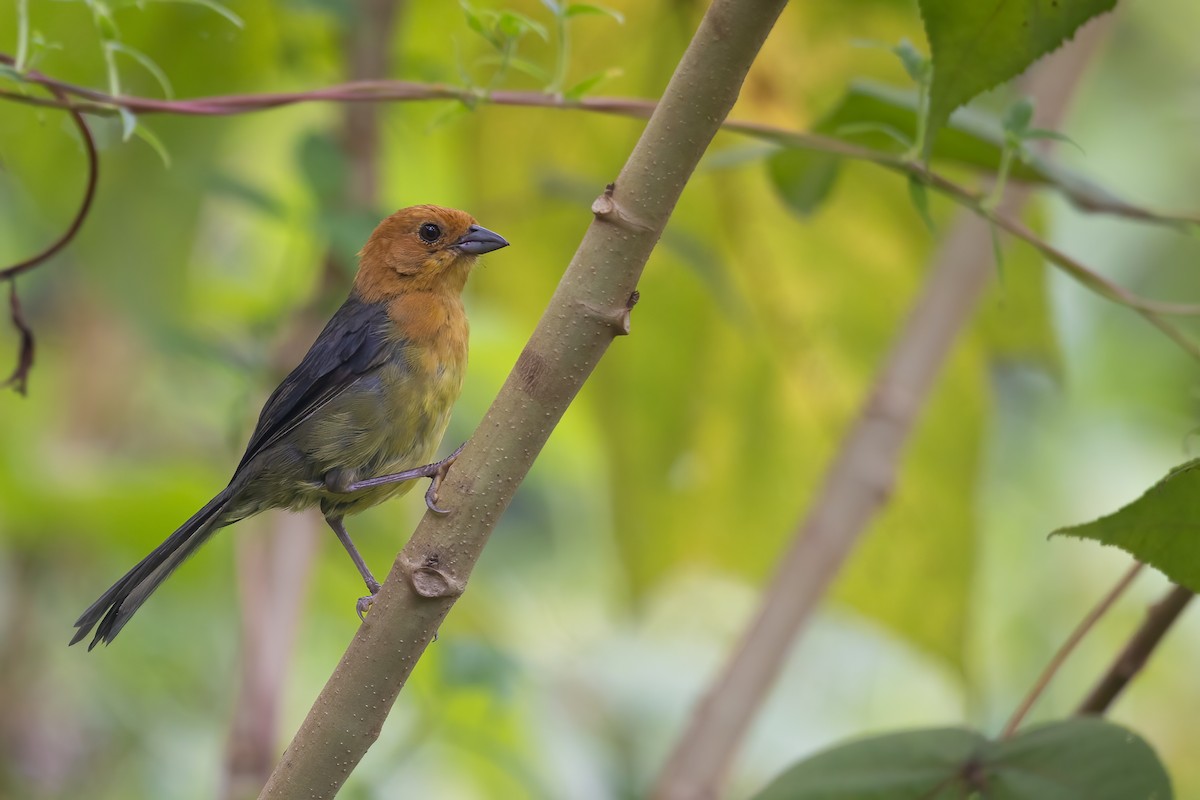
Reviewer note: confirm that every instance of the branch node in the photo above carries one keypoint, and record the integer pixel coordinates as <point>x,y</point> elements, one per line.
<point>427,579</point>
<point>619,320</point>
<point>606,209</point>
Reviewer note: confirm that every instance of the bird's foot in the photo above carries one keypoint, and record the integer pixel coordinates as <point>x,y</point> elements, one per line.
<point>364,603</point>
<point>436,472</point>
<point>440,470</point>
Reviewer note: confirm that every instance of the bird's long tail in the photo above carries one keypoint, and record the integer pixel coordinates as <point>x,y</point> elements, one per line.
<point>114,608</point>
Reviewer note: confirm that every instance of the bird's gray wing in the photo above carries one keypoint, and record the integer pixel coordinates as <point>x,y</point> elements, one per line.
<point>352,344</point>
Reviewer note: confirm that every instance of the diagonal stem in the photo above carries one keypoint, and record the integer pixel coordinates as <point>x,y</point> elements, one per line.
<point>1131,659</point>
<point>1068,647</point>
<point>856,485</point>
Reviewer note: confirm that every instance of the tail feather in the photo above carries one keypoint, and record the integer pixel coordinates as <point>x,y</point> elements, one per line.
<point>114,608</point>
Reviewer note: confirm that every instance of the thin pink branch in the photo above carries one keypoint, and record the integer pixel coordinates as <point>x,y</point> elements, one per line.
<point>375,91</point>
<point>1068,647</point>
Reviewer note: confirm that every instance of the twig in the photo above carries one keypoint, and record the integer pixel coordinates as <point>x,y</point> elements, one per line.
<point>571,337</point>
<point>1152,311</point>
<point>19,379</point>
<point>856,485</point>
<point>1068,647</point>
<point>1084,197</point>
<point>1135,654</point>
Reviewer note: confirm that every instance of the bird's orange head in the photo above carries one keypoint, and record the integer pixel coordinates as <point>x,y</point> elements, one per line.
<point>421,248</point>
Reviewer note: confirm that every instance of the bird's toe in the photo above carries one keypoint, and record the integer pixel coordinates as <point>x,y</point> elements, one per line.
<point>364,605</point>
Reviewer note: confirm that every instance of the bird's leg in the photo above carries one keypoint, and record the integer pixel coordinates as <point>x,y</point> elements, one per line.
<point>364,603</point>
<point>436,472</point>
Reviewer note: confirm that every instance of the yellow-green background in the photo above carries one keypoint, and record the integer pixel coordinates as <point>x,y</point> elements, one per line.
<point>634,553</point>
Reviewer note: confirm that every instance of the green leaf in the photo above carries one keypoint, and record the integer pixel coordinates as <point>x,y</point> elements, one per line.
<point>915,63</point>
<point>1161,528</point>
<point>519,64</point>
<point>1079,758</point>
<point>738,155</point>
<point>980,44</point>
<point>803,178</point>
<point>482,22</point>
<point>1085,757</point>
<point>213,6</point>
<point>1041,133</point>
<point>129,123</point>
<point>102,17</point>
<point>149,137</point>
<point>1018,116</point>
<point>579,9</point>
<point>515,25</point>
<point>580,89</point>
<point>972,137</point>
<point>856,128</point>
<point>448,115</point>
<point>147,64</point>
<point>885,118</point>
<point>919,194</point>
<point>913,764</point>
<point>40,46</point>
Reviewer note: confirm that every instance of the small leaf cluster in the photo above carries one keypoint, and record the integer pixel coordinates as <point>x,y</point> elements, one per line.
<point>504,29</point>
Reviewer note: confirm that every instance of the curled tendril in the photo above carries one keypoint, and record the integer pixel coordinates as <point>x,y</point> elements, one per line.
<point>20,375</point>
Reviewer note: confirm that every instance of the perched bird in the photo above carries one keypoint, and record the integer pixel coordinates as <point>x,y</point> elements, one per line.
<point>360,416</point>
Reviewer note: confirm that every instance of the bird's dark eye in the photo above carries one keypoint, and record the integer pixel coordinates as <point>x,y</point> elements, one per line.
<point>429,232</point>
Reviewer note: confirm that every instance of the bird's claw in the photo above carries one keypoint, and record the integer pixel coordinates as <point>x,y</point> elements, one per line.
<point>435,481</point>
<point>364,603</point>
<point>431,498</point>
<point>363,606</point>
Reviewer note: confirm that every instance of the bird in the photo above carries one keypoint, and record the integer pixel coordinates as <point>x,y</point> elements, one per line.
<point>362,414</point>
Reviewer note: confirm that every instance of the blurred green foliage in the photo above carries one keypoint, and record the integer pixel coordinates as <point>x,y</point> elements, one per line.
<point>632,555</point>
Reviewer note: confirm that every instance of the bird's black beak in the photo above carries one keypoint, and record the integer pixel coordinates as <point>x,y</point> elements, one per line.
<point>478,241</point>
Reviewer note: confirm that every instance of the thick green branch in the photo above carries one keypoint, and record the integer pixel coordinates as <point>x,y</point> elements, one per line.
<point>588,309</point>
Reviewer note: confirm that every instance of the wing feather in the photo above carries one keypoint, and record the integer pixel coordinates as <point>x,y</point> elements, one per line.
<point>352,344</point>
